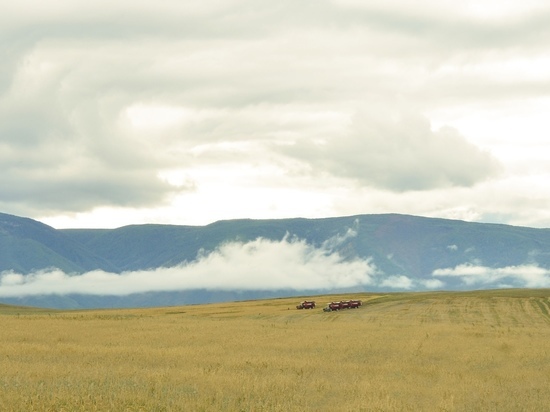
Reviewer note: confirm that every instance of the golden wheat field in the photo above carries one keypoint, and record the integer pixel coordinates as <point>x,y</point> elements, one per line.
<point>475,351</point>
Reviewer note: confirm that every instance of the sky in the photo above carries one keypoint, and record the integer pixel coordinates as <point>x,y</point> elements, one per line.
<point>185,112</point>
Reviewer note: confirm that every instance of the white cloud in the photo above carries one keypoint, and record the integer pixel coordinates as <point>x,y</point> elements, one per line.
<point>406,283</point>
<point>117,105</point>
<point>432,283</point>
<point>397,282</point>
<point>531,276</point>
<point>338,239</point>
<point>257,265</point>
<point>397,150</point>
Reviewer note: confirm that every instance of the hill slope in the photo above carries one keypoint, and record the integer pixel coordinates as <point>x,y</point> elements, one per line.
<point>405,250</point>
<point>27,245</point>
<point>399,244</point>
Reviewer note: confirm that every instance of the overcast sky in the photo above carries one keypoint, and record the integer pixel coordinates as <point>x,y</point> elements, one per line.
<point>186,112</point>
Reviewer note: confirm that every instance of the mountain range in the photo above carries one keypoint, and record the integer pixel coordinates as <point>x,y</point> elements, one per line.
<point>414,252</point>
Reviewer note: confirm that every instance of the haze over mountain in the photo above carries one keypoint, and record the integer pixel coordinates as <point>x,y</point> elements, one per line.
<point>153,265</point>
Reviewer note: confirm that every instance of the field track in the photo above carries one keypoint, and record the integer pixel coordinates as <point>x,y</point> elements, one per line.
<point>437,351</point>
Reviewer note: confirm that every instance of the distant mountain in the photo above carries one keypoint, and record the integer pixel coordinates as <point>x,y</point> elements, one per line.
<point>404,246</point>
<point>27,245</point>
<point>408,245</point>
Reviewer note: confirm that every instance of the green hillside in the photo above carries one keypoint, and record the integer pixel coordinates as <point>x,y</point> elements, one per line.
<point>27,245</point>
<point>401,247</point>
<point>408,245</point>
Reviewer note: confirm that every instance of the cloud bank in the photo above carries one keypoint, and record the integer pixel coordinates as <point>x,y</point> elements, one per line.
<point>268,265</point>
<point>257,265</point>
<point>531,276</point>
<point>153,108</point>
<point>397,150</point>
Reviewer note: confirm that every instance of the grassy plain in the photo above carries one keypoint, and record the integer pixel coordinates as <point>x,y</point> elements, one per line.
<point>475,351</point>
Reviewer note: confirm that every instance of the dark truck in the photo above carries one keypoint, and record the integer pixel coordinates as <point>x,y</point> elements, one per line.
<point>343,304</point>
<point>306,304</point>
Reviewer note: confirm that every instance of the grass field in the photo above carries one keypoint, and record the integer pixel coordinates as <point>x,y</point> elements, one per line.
<point>474,351</point>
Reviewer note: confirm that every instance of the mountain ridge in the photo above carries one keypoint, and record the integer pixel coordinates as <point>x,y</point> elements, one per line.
<point>406,247</point>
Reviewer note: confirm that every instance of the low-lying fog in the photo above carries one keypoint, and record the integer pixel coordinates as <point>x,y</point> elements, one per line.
<point>266,265</point>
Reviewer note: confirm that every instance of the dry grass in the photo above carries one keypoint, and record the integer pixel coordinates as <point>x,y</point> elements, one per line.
<point>413,352</point>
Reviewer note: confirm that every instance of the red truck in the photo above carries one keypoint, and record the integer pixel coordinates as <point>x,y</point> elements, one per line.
<point>343,304</point>
<point>306,304</point>
<point>333,306</point>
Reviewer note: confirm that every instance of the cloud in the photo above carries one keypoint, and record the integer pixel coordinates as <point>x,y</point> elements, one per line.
<point>397,282</point>
<point>338,240</point>
<point>99,100</point>
<point>397,150</point>
<point>257,265</point>
<point>406,283</point>
<point>531,276</point>
<point>62,145</point>
<point>432,283</point>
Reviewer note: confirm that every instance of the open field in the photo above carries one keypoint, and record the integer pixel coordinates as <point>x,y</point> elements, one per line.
<point>440,351</point>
